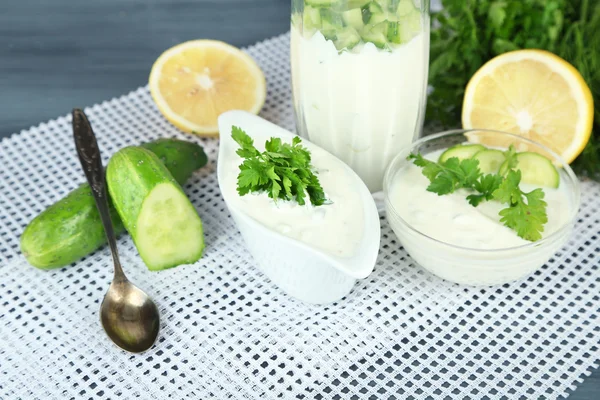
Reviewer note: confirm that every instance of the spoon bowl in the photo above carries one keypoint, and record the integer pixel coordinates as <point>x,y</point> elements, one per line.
<point>129,317</point>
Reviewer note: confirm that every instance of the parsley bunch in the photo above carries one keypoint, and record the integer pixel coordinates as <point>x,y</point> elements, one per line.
<point>526,212</point>
<point>283,170</point>
<point>467,33</point>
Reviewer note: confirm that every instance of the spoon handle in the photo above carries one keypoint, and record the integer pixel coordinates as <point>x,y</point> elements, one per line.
<point>91,162</point>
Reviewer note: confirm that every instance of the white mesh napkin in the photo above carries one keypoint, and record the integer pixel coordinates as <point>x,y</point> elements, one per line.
<point>227,331</point>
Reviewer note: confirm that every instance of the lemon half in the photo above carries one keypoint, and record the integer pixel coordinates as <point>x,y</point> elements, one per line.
<point>531,93</point>
<point>194,82</point>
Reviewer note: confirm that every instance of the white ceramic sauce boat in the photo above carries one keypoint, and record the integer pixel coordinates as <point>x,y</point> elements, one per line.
<point>300,270</point>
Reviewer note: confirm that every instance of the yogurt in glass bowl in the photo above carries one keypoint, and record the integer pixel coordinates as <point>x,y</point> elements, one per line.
<point>470,245</point>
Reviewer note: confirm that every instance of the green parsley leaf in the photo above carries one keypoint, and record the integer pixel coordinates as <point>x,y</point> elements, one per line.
<point>283,170</point>
<point>526,212</point>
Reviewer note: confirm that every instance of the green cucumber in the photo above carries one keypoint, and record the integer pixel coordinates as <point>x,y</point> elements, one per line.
<point>322,3</point>
<point>164,225</point>
<point>535,169</point>
<point>346,5</point>
<point>346,38</point>
<point>71,228</point>
<point>311,18</point>
<point>353,18</point>
<point>490,160</point>
<point>404,7</point>
<point>330,20</point>
<point>376,34</point>
<point>461,151</point>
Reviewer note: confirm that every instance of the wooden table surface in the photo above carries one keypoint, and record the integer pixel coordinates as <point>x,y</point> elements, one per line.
<point>58,54</point>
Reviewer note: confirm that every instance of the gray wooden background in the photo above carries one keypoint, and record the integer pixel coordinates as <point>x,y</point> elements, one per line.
<point>58,54</point>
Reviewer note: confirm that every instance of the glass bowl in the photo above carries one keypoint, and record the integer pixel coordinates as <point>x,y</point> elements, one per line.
<point>469,265</point>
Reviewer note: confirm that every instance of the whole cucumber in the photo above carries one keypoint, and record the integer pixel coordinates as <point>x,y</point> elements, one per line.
<point>71,228</point>
<point>163,223</point>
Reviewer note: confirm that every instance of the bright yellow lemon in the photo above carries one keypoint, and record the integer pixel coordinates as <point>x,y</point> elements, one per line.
<point>535,94</point>
<point>194,82</point>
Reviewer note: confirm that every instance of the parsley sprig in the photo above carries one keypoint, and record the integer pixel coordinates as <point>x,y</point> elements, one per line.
<point>283,170</point>
<point>526,211</point>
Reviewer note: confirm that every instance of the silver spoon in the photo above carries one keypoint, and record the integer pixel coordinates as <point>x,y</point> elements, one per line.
<point>129,317</point>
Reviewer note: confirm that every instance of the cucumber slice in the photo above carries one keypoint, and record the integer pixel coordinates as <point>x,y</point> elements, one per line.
<point>346,38</point>
<point>311,18</point>
<point>376,34</point>
<point>353,18</point>
<point>321,3</point>
<point>164,225</point>
<point>330,20</point>
<point>490,160</point>
<point>535,169</point>
<point>461,151</point>
<point>404,7</point>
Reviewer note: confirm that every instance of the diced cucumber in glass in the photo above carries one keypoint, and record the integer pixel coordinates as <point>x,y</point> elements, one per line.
<point>376,34</point>
<point>389,5</point>
<point>490,160</point>
<point>346,38</point>
<point>353,18</point>
<point>330,20</point>
<point>535,169</point>
<point>321,3</point>
<point>405,7</point>
<point>312,18</point>
<point>352,4</point>
<point>461,151</point>
<point>377,18</point>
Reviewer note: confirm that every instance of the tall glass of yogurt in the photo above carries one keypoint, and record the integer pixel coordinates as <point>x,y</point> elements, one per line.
<point>359,78</point>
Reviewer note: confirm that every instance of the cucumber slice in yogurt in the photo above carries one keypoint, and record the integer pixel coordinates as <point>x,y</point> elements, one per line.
<point>535,169</point>
<point>321,3</point>
<point>461,151</point>
<point>346,38</point>
<point>330,20</point>
<point>311,18</point>
<point>490,160</point>
<point>404,7</point>
<point>353,18</point>
<point>376,34</point>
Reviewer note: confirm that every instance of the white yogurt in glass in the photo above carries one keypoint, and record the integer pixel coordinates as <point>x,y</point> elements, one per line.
<point>362,105</point>
<point>336,228</point>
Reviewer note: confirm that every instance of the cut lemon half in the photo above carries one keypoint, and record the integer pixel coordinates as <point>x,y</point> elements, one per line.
<point>194,82</point>
<point>531,93</point>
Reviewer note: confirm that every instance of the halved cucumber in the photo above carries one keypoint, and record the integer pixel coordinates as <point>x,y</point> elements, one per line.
<point>376,34</point>
<point>535,169</point>
<point>490,160</point>
<point>461,151</point>
<point>346,38</point>
<point>164,225</point>
<point>353,18</point>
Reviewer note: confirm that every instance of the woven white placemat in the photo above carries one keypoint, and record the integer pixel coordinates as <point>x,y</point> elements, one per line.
<point>227,331</point>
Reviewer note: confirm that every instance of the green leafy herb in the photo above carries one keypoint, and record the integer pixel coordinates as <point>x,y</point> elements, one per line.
<point>526,212</point>
<point>283,170</point>
<point>468,33</point>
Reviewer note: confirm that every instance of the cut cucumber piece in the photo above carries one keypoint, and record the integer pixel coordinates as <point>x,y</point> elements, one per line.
<point>405,7</point>
<point>346,38</point>
<point>353,18</point>
<point>490,160</point>
<point>535,169</point>
<point>346,5</point>
<point>330,20</point>
<point>376,34</point>
<point>322,3</point>
<point>461,151</point>
<point>389,5</point>
<point>311,18</point>
<point>164,225</point>
<point>372,13</point>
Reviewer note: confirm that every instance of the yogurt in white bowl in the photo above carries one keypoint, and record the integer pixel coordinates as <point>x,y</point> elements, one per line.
<point>315,254</point>
<point>465,244</point>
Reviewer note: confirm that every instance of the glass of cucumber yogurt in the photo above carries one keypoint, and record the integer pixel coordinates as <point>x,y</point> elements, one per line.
<point>359,78</point>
